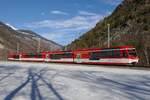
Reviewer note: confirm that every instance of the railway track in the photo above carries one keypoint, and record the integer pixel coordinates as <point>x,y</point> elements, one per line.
<point>137,67</point>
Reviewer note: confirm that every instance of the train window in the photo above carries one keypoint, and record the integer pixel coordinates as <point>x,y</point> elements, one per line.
<point>132,52</point>
<point>67,55</point>
<point>59,56</point>
<point>110,53</point>
<point>101,54</point>
<point>39,55</point>
<point>124,54</point>
<point>94,55</point>
<point>117,53</point>
<point>107,53</point>
<point>104,54</point>
<point>55,56</point>
<point>31,55</point>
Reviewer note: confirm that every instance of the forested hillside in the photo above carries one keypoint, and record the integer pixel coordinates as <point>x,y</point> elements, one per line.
<point>129,25</point>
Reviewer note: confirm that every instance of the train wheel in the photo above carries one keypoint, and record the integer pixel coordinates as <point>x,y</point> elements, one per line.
<point>134,64</point>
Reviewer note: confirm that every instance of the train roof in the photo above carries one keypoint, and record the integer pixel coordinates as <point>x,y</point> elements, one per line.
<point>115,47</point>
<point>91,49</point>
<point>87,49</point>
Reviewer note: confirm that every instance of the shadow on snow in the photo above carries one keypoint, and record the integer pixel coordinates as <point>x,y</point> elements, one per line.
<point>130,88</point>
<point>33,78</point>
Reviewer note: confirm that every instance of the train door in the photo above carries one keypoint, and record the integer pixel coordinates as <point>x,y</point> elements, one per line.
<point>78,58</point>
<point>46,57</point>
<point>17,57</point>
<point>20,56</point>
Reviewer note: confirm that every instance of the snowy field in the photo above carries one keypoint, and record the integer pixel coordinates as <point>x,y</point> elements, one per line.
<point>36,81</point>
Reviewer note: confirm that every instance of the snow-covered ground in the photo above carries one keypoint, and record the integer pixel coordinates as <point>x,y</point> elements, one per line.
<point>39,81</point>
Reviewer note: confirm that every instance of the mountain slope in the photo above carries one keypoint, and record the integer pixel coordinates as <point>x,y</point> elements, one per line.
<point>24,40</point>
<point>129,24</point>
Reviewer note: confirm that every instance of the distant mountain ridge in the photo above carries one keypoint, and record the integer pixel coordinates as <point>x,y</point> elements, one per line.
<point>23,40</point>
<point>129,25</point>
<point>29,32</point>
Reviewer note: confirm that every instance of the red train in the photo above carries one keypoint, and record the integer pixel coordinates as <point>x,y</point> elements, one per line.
<point>121,55</point>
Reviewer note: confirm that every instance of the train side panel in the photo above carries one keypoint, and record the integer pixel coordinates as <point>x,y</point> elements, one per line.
<point>118,55</point>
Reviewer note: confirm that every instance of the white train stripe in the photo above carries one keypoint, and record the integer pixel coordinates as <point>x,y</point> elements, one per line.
<point>32,59</point>
<point>109,60</point>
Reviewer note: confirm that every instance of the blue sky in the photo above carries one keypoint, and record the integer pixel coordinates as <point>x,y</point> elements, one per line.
<point>59,20</point>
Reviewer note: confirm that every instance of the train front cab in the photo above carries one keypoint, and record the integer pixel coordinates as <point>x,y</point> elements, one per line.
<point>132,56</point>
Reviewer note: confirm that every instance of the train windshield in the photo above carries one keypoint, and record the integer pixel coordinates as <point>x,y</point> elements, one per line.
<point>132,52</point>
